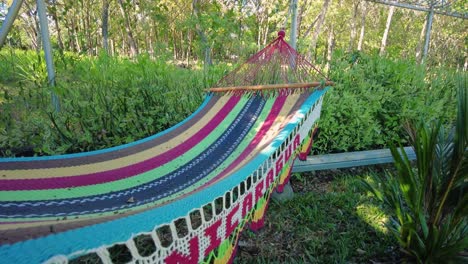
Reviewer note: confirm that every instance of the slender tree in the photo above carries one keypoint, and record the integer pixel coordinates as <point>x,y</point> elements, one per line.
<point>105,25</point>
<point>420,46</point>
<point>383,44</point>
<point>201,34</point>
<point>302,12</point>
<point>319,24</point>
<point>128,29</point>
<point>353,26</point>
<point>364,12</point>
<point>53,12</point>
<point>331,46</point>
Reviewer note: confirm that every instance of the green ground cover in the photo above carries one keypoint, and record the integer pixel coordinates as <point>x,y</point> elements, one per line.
<point>332,219</point>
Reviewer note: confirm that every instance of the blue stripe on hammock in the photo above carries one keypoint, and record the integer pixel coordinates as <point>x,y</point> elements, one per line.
<point>120,230</point>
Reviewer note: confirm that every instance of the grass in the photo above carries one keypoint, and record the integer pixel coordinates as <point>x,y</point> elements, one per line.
<point>331,220</point>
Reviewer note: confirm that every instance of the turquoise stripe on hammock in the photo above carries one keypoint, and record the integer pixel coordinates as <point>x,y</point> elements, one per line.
<point>120,230</point>
<point>102,151</point>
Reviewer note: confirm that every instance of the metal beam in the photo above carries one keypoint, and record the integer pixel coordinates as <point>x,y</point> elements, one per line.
<point>293,38</point>
<point>421,8</point>
<point>347,160</point>
<point>10,18</point>
<point>44,24</point>
<point>430,17</point>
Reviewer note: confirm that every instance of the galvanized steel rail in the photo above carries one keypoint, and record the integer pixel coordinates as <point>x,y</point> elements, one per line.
<point>348,159</point>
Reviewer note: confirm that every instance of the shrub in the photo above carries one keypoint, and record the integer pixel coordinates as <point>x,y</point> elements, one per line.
<point>372,98</point>
<point>429,204</point>
<point>105,101</point>
<point>108,101</point>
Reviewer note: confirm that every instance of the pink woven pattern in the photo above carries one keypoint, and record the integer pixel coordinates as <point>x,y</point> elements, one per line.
<point>277,63</point>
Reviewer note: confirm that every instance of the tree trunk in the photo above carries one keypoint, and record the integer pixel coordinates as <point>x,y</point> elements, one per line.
<point>201,34</point>
<point>265,37</point>
<point>105,25</point>
<point>189,48</point>
<point>31,28</point>
<point>153,39</point>
<point>81,27</point>
<point>182,46</point>
<point>34,27</point>
<point>75,35</point>
<point>174,47</point>
<point>300,17</point>
<point>112,47</point>
<point>363,25</point>
<point>331,45</point>
<point>123,49</point>
<point>387,29</point>
<point>312,25</point>
<point>53,12</point>
<point>148,46</point>
<point>32,34</point>
<point>37,31</point>
<point>128,29</point>
<point>89,38</point>
<point>260,33</point>
<point>420,46</point>
<point>430,17</point>
<point>71,42</point>
<point>318,26</point>
<point>75,29</point>
<point>352,38</point>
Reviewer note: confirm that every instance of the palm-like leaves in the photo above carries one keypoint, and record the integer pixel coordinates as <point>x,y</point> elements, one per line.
<point>429,203</point>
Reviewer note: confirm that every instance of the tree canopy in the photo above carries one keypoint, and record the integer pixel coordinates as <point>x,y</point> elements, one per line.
<point>198,30</point>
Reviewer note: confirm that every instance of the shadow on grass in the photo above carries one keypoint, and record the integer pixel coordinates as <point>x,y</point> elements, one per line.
<point>331,220</point>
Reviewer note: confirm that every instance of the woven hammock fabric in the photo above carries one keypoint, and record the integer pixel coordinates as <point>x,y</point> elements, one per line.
<point>189,190</point>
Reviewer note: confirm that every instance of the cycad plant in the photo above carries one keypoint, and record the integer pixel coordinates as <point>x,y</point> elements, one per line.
<point>428,203</point>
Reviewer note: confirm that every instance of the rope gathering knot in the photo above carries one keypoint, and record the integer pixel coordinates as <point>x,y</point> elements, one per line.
<point>281,33</point>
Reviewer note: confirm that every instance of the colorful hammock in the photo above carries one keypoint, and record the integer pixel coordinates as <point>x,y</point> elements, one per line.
<point>186,192</point>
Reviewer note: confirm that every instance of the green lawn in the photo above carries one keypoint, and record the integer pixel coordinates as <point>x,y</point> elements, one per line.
<point>331,220</point>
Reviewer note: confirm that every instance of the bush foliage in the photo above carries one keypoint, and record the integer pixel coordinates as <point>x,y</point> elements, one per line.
<point>373,97</point>
<point>104,101</point>
<point>108,101</point>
